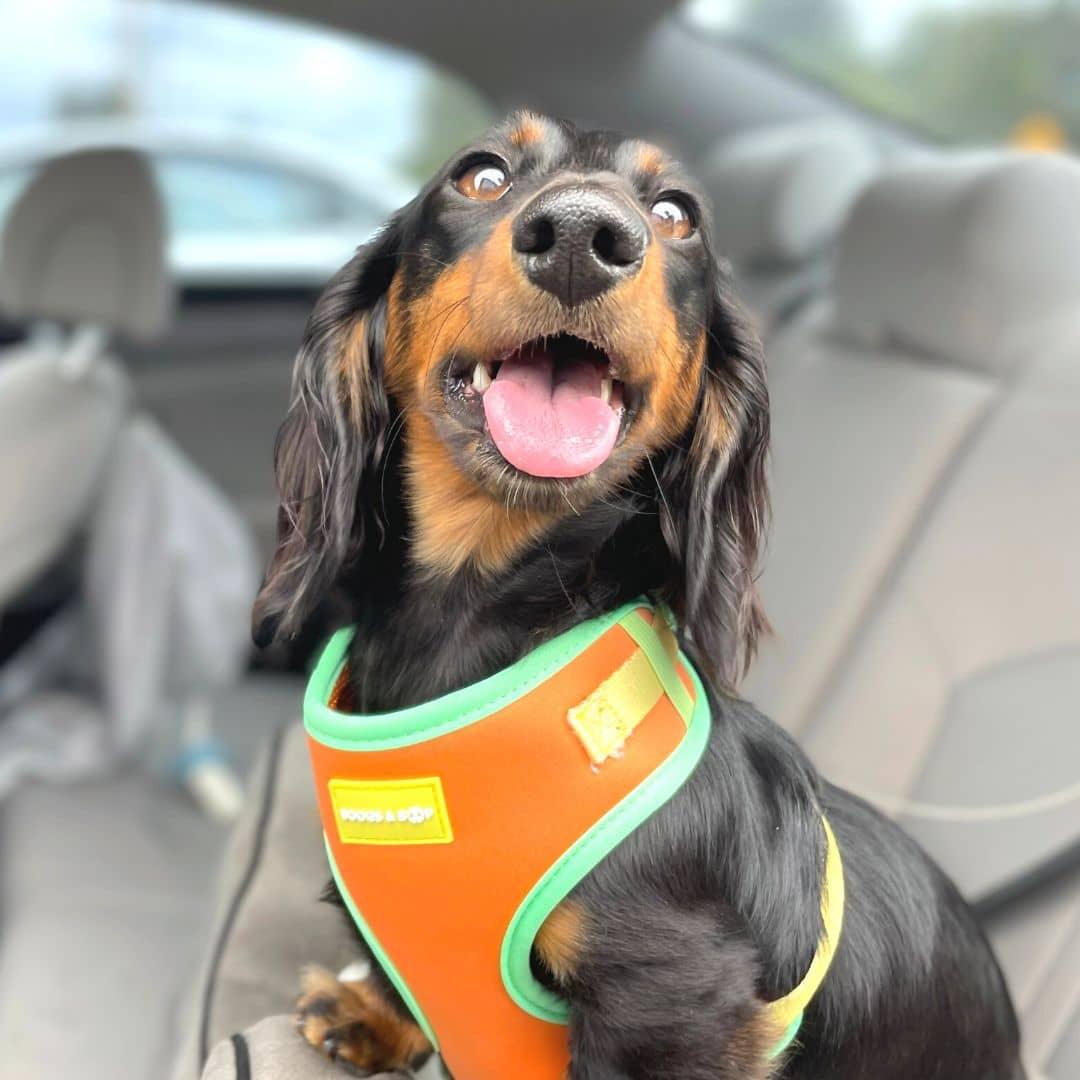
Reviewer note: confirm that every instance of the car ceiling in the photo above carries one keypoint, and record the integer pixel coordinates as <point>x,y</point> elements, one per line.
<point>618,63</point>
<point>504,48</point>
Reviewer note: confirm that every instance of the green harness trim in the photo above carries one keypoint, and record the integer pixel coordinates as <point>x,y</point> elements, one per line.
<point>610,831</point>
<point>458,709</point>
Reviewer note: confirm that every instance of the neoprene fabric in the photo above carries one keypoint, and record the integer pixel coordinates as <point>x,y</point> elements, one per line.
<point>543,799</point>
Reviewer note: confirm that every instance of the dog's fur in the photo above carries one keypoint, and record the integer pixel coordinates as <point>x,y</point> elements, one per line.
<point>403,518</point>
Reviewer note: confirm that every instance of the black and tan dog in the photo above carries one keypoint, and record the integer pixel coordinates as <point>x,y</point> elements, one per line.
<point>622,453</point>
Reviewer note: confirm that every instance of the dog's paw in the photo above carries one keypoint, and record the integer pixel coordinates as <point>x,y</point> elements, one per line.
<point>352,1023</point>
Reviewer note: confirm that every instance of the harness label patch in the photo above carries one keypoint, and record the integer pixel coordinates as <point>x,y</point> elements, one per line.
<point>391,811</point>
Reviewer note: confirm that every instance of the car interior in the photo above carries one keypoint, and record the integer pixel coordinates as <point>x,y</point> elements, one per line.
<point>917,289</point>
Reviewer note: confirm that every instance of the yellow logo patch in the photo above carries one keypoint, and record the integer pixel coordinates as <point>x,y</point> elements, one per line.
<point>391,811</point>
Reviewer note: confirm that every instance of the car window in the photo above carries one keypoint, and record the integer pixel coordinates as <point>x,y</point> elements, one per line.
<point>205,194</point>
<point>257,125</point>
<point>966,71</point>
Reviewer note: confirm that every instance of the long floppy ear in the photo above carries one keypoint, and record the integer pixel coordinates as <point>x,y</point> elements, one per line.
<point>715,510</point>
<point>334,434</point>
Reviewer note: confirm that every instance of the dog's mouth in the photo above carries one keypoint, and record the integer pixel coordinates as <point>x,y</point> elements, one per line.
<point>553,407</point>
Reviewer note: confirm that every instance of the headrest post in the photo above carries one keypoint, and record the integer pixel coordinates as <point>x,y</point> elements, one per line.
<point>86,344</point>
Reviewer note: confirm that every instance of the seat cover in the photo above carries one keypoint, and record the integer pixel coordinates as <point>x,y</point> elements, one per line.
<point>85,243</point>
<point>57,430</point>
<point>780,195</point>
<point>922,577</point>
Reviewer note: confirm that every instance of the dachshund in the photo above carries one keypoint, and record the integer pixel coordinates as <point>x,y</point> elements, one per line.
<point>624,453</point>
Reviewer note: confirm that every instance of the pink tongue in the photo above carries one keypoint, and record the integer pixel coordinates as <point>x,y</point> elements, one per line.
<point>547,421</point>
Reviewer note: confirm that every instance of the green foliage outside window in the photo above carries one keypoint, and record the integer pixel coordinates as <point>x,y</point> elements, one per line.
<point>971,72</point>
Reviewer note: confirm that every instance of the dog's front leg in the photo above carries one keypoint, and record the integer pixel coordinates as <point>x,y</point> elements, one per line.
<point>356,1023</point>
<point>658,991</point>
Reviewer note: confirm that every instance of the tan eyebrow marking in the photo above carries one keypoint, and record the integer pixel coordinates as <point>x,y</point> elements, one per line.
<point>649,159</point>
<point>529,129</point>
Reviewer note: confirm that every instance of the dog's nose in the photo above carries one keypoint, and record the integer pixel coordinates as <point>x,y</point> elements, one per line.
<point>576,241</point>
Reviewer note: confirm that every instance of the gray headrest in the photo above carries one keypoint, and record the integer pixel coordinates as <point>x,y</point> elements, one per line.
<point>85,242</point>
<point>962,257</point>
<point>782,193</point>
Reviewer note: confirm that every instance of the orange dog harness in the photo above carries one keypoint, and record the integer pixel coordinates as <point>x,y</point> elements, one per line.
<point>455,827</point>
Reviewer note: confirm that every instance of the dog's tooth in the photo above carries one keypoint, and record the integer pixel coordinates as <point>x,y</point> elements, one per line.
<point>605,391</point>
<point>481,380</point>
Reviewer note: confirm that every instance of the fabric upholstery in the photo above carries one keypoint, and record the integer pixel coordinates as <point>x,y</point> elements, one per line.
<point>58,422</point>
<point>960,258</point>
<point>1038,943</point>
<point>780,196</point>
<point>773,296</point>
<point>781,193</point>
<point>273,1051</point>
<point>106,906</point>
<point>85,243</point>
<point>104,896</point>
<point>270,922</point>
<point>972,649</point>
<point>922,576</point>
<point>860,443</point>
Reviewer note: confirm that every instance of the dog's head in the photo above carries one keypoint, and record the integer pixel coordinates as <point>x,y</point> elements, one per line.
<point>548,324</point>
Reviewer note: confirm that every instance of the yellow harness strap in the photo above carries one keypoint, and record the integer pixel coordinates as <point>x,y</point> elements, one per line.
<point>788,1010</point>
<point>604,721</point>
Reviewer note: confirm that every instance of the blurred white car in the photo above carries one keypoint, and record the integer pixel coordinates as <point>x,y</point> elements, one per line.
<point>245,211</point>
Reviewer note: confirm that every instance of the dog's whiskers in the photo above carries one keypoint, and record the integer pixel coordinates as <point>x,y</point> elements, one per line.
<point>445,313</point>
<point>562,492</point>
<point>425,255</point>
<point>558,576</point>
<point>659,486</point>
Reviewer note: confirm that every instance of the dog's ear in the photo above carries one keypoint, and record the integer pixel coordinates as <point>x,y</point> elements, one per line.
<point>715,506</point>
<point>334,434</point>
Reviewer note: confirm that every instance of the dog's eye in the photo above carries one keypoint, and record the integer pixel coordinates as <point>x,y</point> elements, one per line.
<point>486,181</point>
<point>672,218</point>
